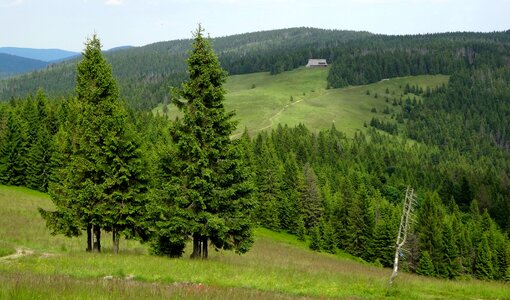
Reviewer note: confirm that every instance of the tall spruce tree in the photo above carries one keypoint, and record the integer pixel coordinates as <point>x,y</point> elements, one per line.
<point>41,146</point>
<point>269,187</point>
<point>13,152</point>
<point>483,263</point>
<point>429,227</point>
<point>209,188</point>
<point>311,202</point>
<point>102,177</point>
<point>425,266</point>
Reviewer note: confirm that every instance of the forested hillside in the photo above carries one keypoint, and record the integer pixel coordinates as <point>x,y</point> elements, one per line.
<point>382,57</point>
<point>146,74</point>
<point>449,142</point>
<point>12,65</point>
<point>335,192</point>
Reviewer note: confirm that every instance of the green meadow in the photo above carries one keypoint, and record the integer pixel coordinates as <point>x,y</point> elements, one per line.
<point>262,101</point>
<point>278,267</point>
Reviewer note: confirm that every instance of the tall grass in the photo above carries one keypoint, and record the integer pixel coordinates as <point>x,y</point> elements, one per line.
<point>278,266</point>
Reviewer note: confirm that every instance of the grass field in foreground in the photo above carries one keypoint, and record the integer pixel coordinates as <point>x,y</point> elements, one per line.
<point>278,267</point>
<point>262,101</point>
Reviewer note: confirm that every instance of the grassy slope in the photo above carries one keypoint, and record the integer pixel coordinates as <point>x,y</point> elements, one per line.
<point>261,101</point>
<point>278,267</point>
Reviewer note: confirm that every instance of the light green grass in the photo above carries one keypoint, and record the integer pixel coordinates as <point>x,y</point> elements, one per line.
<point>278,267</point>
<point>263,101</point>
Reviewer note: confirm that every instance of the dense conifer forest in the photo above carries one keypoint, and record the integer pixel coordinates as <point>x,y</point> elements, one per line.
<point>335,192</point>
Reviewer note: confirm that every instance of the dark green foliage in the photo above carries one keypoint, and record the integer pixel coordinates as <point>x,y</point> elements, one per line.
<point>101,175</point>
<point>39,160</point>
<point>345,192</point>
<point>311,198</point>
<point>483,263</point>
<point>385,234</point>
<point>301,229</point>
<point>474,106</point>
<point>450,264</point>
<point>373,59</point>
<point>315,238</point>
<point>425,266</point>
<point>146,73</point>
<point>41,145</point>
<point>290,210</point>
<point>208,189</point>
<point>13,151</point>
<point>389,127</point>
<point>430,228</point>
<point>269,174</point>
<point>328,237</point>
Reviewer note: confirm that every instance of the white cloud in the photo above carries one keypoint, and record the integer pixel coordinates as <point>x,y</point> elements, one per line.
<point>9,3</point>
<point>113,2</point>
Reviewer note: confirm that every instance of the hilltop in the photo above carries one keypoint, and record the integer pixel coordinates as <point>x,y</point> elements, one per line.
<point>146,73</point>
<point>262,101</point>
<point>47,55</point>
<point>12,65</point>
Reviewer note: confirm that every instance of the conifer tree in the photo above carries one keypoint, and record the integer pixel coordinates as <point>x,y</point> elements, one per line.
<point>385,229</point>
<point>328,237</point>
<point>425,266</point>
<point>483,264</point>
<point>450,265</point>
<point>429,227</point>
<point>269,187</point>
<point>209,187</point>
<point>39,160</point>
<point>102,176</point>
<point>311,198</point>
<point>41,144</point>
<point>13,152</point>
<point>292,187</point>
<point>301,229</point>
<point>315,238</point>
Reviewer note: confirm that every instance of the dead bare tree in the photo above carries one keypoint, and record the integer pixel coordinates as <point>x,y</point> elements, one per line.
<point>409,201</point>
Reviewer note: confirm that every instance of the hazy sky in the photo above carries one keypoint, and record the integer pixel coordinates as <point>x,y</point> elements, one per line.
<point>66,24</point>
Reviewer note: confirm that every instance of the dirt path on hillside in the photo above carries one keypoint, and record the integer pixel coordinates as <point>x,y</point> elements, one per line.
<point>271,122</point>
<point>20,252</point>
<point>271,119</point>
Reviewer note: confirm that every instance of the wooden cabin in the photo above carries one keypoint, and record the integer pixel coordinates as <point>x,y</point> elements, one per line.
<point>313,62</point>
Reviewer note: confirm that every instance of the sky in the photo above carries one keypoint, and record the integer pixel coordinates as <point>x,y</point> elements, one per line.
<point>66,24</point>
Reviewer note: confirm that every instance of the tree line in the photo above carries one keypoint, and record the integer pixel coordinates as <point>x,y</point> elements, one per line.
<point>336,193</point>
<point>146,74</point>
<point>186,180</point>
<point>88,154</point>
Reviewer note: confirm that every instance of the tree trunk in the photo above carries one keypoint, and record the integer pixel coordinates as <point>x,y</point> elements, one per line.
<point>116,238</point>
<point>89,237</point>
<point>205,251</point>
<point>196,246</point>
<point>97,238</point>
<point>395,265</point>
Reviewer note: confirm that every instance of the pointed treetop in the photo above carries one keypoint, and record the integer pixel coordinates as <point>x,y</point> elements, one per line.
<point>94,80</point>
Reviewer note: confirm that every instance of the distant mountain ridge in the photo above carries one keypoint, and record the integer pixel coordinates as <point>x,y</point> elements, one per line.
<point>47,55</point>
<point>12,65</point>
<point>145,74</point>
